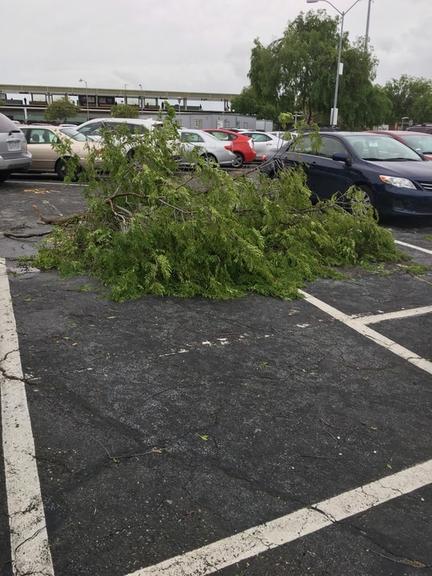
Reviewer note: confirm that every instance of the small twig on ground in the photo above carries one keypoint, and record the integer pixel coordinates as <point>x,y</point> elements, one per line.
<point>116,458</point>
<point>34,234</point>
<point>404,561</point>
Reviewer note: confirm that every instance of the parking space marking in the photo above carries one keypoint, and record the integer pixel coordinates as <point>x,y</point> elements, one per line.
<point>30,551</point>
<point>398,315</point>
<point>359,326</point>
<point>223,553</point>
<point>413,247</point>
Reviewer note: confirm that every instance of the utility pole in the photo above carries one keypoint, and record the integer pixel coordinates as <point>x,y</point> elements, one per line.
<point>367,26</point>
<point>141,98</point>
<point>339,67</point>
<point>87,98</point>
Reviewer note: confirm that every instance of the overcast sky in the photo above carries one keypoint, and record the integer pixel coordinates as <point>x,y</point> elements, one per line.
<point>201,45</point>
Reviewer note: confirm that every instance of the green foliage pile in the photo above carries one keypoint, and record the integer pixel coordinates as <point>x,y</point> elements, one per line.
<point>152,230</point>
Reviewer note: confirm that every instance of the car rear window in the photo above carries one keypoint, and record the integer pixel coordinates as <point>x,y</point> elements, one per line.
<point>191,137</point>
<point>222,135</point>
<point>7,125</point>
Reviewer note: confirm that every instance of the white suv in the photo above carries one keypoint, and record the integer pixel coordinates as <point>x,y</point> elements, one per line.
<point>92,128</point>
<point>13,148</point>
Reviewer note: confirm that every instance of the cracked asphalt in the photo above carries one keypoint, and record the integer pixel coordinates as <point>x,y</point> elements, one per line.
<point>162,425</point>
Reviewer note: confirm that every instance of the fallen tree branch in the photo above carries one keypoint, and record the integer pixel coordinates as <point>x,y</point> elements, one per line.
<point>57,219</point>
<point>31,235</point>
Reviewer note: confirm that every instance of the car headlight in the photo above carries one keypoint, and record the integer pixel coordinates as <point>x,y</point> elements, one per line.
<point>398,182</point>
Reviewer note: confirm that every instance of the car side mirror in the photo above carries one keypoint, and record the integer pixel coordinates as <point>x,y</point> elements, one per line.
<point>342,157</point>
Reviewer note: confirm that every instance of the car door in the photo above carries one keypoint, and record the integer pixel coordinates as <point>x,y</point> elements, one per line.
<point>304,152</point>
<point>40,144</point>
<point>330,176</point>
<point>325,176</point>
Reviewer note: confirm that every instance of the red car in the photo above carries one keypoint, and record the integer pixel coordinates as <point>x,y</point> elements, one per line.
<point>418,141</point>
<point>239,144</point>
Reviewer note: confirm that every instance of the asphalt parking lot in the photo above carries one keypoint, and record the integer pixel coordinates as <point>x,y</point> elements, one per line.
<point>253,437</point>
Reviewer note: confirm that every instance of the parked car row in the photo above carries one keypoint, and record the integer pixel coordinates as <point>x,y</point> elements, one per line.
<point>391,167</point>
<point>246,146</point>
<point>228,148</point>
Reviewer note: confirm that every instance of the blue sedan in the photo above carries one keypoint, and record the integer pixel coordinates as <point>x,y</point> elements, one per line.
<point>396,179</point>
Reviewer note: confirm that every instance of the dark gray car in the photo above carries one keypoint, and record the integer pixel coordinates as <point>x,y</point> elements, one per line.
<point>14,155</point>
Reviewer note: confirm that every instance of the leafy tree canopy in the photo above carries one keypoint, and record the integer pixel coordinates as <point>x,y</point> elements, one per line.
<point>124,111</point>
<point>411,97</point>
<point>297,73</point>
<point>61,110</point>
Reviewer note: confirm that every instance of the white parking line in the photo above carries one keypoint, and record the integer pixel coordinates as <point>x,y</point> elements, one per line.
<point>29,540</point>
<point>413,247</point>
<point>398,315</point>
<point>218,555</point>
<point>359,326</point>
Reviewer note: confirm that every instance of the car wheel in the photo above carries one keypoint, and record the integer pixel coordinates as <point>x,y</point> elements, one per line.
<point>4,176</point>
<point>239,160</point>
<point>61,168</point>
<point>211,159</point>
<point>368,199</point>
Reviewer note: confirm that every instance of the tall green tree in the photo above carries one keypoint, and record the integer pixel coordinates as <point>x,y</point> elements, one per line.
<point>362,103</point>
<point>61,110</point>
<point>297,73</point>
<point>411,97</point>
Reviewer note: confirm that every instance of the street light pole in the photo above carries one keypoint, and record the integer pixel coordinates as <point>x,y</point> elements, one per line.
<point>141,99</point>
<point>334,110</point>
<point>87,100</point>
<point>367,26</point>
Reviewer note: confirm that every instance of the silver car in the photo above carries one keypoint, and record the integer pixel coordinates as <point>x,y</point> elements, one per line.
<point>13,148</point>
<point>209,147</point>
<point>266,145</point>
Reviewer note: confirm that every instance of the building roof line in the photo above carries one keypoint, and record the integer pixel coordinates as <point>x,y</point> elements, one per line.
<point>118,92</point>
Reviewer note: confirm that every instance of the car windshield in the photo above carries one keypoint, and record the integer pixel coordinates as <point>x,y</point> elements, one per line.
<point>381,148</point>
<point>420,142</point>
<point>74,134</point>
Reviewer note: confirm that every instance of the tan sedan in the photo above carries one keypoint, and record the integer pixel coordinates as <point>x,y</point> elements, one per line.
<point>45,157</point>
